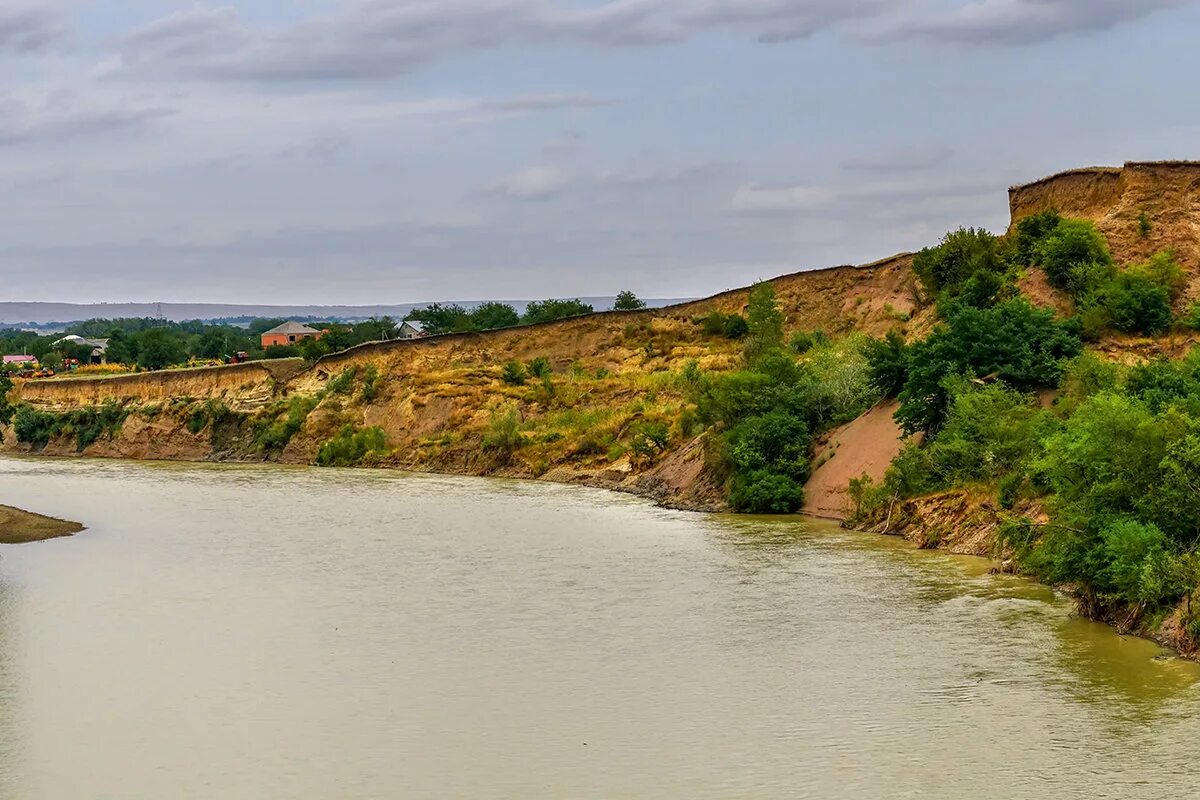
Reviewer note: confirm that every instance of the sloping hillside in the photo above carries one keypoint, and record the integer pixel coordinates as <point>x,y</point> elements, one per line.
<point>440,402</point>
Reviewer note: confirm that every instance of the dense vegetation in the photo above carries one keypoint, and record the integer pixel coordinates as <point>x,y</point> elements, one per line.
<point>765,416</point>
<point>1114,461</point>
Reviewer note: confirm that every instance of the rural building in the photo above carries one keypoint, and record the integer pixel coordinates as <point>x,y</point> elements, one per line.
<point>99,346</point>
<point>411,329</point>
<point>289,333</point>
<point>21,362</point>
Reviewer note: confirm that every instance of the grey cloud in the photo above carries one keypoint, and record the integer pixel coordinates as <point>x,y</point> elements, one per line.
<point>27,29</point>
<point>544,102</point>
<point>191,33</point>
<point>66,117</point>
<point>1022,22</point>
<point>378,39</point>
<point>911,159</point>
<point>781,20</point>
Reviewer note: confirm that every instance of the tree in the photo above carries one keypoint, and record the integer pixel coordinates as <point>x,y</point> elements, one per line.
<point>6,408</point>
<point>888,358</point>
<point>628,301</point>
<point>440,319</point>
<point>549,310</point>
<point>492,315</point>
<point>1021,345</point>
<point>960,255</point>
<point>1074,245</point>
<point>764,321</point>
<point>158,348</point>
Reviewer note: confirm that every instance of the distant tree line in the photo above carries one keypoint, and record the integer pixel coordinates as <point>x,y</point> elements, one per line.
<point>454,318</point>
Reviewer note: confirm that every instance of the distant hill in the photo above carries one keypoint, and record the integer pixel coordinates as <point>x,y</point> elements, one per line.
<point>44,314</point>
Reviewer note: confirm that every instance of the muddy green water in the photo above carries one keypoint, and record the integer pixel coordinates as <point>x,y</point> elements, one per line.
<point>247,632</point>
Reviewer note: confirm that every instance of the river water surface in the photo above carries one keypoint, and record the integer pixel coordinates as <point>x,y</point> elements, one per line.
<point>265,632</point>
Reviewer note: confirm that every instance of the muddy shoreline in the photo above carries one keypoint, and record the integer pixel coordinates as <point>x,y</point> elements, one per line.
<point>18,526</point>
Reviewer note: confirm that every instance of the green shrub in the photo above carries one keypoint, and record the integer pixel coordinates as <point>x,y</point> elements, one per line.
<point>801,342</point>
<point>1030,233</point>
<point>276,427</point>
<point>1135,304</point>
<point>960,255</point>
<point>1144,225</point>
<point>540,367</point>
<point>514,373</point>
<point>1072,245</point>
<point>734,326</point>
<point>351,446</point>
<point>649,438</point>
<point>343,383</point>
<point>370,384</point>
<point>503,435</point>
<point>1026,347</point>
<point>888,362</point>
<point>776,441</point>
<point>765,492</point>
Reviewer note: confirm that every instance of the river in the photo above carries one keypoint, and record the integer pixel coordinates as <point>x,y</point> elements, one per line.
<point>252,632</point>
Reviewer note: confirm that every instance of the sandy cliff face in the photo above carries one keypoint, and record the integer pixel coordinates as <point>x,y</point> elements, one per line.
<point>1167,192</point>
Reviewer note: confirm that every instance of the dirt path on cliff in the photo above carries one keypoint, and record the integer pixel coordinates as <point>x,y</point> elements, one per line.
<point>21,527</point>
<point>866,445</point>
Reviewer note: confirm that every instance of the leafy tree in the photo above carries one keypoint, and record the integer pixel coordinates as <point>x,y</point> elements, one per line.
<point>960,255</point>
<point>764,322</point>
<point>766,492</point>
<point>1136,304</point>
<point>1073,245</point>
<point>627,301</point>
<point>1012,341</point>
<point>1030,232</point>
<point>888,360</point>
<point>439,319</point>
<point>549,310</point>
<point>492,316</point>
<point>159,348</point>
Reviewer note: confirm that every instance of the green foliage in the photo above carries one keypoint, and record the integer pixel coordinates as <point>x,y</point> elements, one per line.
<point>960,255</point>
<point>343,382</point>
<point>503,435</point>
<point>549,310</point>
<point>1030,233</point>
<point>1021,345</point>
<point>1144,225</point>
<point>731,326</point>
<point>493,316</point>
<point>990,432</point>
<point>1073,253</point>
<point>627,301</point>
<point>648,438</point>
<point>212,412</point>
<point>540,367</point>
<point>352,446</point>
<point>86,424</point>
<point>370,384</point>
<point>1135,304</point>
<point>765,492</point>
<point>776,441</point>
<point>801,342</point>
<point>514,374</point>
<point>158,348</point>
<point>6,407</point>
<point>888,362</point>
<point>278,424</point>
<point>764,321</point>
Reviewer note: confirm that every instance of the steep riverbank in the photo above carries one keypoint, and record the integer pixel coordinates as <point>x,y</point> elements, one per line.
<point>22,527</point>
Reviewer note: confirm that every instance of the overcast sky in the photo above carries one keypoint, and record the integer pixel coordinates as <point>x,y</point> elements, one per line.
<point>303,151</point>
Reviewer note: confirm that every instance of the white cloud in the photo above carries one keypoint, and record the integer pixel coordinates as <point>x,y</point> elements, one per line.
<point>533,183</point>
